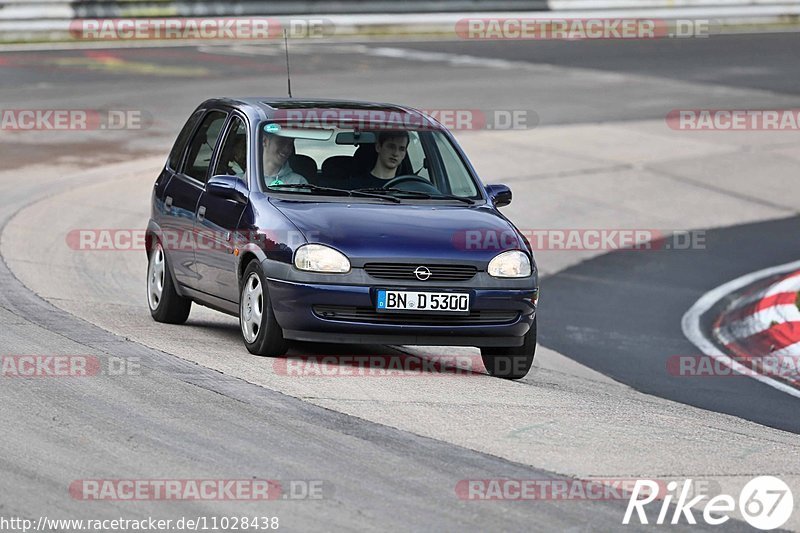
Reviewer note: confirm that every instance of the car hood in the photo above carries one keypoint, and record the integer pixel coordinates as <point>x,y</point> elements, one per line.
<point>473,234</point>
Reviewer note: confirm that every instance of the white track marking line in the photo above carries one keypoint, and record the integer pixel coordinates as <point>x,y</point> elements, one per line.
<point>458,60</point>
<point>762,320</point>
<point>792,350</point>
<point>787,285</point>
<point>690,323</point>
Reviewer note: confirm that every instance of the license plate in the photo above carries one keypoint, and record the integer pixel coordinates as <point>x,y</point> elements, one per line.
<point>438,302</point>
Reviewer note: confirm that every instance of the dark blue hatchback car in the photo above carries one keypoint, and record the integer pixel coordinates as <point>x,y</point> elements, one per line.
<point>346,222</point>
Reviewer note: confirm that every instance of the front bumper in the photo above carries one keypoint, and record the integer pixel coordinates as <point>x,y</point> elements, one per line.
<point>338,313</point>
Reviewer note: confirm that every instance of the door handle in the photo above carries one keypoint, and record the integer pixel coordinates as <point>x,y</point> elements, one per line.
<point>168,202</point>
<point>201,213</point>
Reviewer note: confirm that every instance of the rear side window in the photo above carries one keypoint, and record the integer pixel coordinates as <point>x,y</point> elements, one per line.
<point>233,156</point>
<point>201,149</point>
<point>176,156</point>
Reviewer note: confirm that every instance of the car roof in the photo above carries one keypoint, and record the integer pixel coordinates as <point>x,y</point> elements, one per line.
<point>265,108</point>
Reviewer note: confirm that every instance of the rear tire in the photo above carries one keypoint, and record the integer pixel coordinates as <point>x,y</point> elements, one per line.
<point>511,362</point>
<point>260,331</point>
<point>166,305</point>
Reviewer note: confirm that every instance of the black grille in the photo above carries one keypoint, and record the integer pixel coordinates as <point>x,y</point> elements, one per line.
<point>368,314</point>
<point>406,271</point>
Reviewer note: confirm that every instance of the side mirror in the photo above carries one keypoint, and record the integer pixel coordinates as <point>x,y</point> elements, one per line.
<point>500,195</point>
<point>228,187</point>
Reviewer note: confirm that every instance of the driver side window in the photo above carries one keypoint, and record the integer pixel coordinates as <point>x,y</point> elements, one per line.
<point>202,148</point>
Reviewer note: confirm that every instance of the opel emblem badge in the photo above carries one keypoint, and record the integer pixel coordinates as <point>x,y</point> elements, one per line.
<point>422,273</point>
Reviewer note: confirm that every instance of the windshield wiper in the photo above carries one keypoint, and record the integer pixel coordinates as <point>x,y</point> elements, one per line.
<point>419,194</point>
<point>345,192</point>
<point>308,187</point>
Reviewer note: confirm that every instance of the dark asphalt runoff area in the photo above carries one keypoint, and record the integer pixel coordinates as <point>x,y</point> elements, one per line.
<point>765,62</point>
<point>630,304</point>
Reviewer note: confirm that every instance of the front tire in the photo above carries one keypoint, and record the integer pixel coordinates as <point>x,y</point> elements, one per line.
<point>260,331</point>
<point>511,362</point>
<point>166,305</point>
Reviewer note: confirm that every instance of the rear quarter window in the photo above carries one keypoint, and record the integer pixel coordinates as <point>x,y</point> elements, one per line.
<point>179,148</point>
<point>204,142</point>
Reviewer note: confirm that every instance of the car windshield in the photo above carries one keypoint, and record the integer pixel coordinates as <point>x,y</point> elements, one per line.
<point>415,165</point>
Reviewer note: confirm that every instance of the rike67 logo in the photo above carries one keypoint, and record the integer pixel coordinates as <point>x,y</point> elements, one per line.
<point>765,503</point>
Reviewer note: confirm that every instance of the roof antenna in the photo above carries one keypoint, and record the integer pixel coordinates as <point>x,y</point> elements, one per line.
<point>288,73</point>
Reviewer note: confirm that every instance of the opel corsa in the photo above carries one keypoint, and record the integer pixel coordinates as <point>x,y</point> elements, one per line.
<point>270,210</point>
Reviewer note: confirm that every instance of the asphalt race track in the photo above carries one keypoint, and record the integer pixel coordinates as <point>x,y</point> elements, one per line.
<point>644,341</point>
<point>390,452</point>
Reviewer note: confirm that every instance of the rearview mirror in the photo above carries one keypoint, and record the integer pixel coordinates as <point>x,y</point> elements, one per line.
<point>499,194</point>
<point>355,137</point>
<point>313,134</point>
<point>228,187</point>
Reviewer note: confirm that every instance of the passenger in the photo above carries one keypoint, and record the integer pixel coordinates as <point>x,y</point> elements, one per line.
<point>277,171</point>
<point>391,147</point>
<point>238,163</point>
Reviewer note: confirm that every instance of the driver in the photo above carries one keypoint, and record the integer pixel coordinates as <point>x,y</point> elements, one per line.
<point>276,161</point>
<point>391,147</point>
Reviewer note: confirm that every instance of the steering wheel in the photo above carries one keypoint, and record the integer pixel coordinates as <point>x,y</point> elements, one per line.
<point>421,184</point>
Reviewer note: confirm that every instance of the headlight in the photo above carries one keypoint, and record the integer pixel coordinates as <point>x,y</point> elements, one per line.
<point>319,258</point>
<point>511,264</point>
